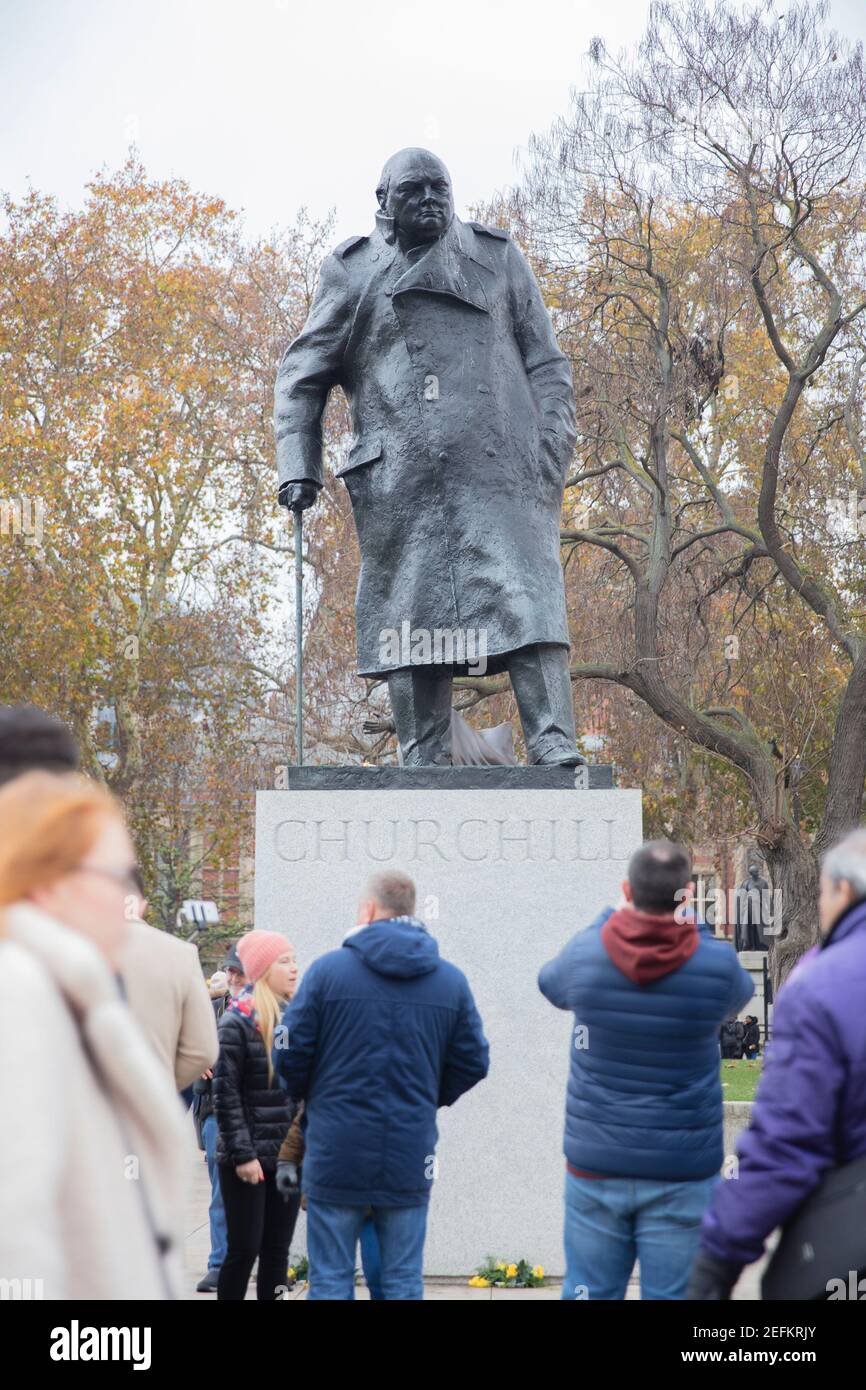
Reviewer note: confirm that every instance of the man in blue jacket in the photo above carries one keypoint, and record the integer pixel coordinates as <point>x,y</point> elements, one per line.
<point>380,1033</point>
<point>643,1123</point>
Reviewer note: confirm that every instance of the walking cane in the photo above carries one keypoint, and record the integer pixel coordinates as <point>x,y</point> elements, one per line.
<point>299,633</point>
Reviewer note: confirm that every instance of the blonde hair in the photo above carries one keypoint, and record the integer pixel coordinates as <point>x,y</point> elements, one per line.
<point>48,823</point>
<point>269,1008</point>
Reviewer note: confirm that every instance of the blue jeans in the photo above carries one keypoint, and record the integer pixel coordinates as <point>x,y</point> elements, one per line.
<point>216,1211</point>
<point>332,1238</point>
<point>371,1259</point>
<point>611,1222</point>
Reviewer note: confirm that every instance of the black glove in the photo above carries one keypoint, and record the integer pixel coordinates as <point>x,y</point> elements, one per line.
<point>711,1280</point>
<point>288,1180</point>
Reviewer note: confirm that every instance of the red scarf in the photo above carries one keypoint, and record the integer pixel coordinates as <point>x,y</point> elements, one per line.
<point>647,945</point>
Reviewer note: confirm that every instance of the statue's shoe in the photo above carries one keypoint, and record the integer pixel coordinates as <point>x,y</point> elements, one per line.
<point>569,757</point>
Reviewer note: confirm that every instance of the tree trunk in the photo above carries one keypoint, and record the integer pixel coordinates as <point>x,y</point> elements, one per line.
<point>843,803</point>
<point>794,879</point>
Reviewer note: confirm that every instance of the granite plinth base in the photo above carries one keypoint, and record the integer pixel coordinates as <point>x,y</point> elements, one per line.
<point>594,777</point>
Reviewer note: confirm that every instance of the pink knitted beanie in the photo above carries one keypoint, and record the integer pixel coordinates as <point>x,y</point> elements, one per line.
<point>258,950</point>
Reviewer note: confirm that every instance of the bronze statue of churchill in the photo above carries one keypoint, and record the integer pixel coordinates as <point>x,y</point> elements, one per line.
<point>463,416</point>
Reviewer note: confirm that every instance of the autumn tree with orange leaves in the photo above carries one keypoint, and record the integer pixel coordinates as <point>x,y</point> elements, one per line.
<point>138,342</point>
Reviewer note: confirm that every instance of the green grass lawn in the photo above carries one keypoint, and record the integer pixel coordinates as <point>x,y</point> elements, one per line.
<point>739,1079</point>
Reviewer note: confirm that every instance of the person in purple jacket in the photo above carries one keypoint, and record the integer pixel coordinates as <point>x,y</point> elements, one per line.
<point>809,1114</point>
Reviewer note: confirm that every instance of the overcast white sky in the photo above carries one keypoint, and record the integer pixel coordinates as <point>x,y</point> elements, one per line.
<point>274,104</point>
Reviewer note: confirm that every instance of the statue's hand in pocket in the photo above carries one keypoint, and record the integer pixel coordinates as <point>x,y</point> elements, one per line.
<point>554,457</point>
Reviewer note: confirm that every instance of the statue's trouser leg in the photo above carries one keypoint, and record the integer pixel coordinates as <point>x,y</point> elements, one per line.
<point>421,705</point>
<point>542,688</point>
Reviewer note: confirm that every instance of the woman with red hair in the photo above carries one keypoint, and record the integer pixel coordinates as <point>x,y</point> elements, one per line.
<point>94,1146</point>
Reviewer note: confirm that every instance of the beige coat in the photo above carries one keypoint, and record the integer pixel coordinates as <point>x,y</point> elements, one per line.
<point>95,1146</point>
<point>167,993</point>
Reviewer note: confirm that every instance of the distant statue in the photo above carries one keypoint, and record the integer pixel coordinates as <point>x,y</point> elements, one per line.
<point>463,417</point>
<point>753,914</point>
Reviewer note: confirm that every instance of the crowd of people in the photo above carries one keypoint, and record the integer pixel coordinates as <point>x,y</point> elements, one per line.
<point>740,1038</point>
<point>326,1092</point>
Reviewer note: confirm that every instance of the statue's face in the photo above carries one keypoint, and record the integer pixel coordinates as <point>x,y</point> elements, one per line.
<point>419,198</point>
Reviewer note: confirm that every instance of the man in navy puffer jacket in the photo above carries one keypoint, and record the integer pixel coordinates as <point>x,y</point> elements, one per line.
<point>380,1033</point>
<point>643,1124</point>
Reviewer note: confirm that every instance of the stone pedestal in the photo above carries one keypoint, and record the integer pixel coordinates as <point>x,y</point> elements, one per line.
<point>506,872</point>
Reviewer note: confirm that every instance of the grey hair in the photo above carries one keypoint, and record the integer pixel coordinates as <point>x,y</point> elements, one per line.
<point>393,892</point>
<point>846,862</point>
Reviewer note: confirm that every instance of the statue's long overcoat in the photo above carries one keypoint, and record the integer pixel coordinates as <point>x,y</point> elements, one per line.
<point>463,415</point>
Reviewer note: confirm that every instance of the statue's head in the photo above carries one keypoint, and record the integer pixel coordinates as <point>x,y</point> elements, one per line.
<point>754,869</point>
<point>414,193</point>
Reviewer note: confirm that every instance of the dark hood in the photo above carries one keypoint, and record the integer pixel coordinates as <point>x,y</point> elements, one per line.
<point>398,946</point>
<point>645,946</point>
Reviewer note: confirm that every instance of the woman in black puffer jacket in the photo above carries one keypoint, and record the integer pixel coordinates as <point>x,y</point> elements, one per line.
<point>253,1117</point>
